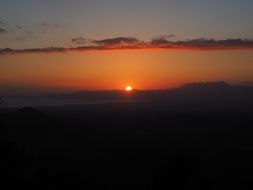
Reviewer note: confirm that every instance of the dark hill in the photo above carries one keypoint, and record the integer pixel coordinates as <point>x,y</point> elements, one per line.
<point>168,139</point>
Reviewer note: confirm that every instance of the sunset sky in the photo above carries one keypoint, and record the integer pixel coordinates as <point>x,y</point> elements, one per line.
<point>74,45</point>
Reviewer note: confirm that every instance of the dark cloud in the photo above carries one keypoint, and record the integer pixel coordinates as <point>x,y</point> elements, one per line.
<point>34,50</point>
<point>6,51</point>
<point>79,40</point>
<point>170,36</point>
<point>133,43</point>
<point>117,41</point>
<point>202,44</point>
<point>161,39</point>
<point>1,22</point>
<point>2,30</point>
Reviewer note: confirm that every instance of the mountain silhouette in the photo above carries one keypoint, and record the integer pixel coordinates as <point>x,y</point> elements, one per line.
<point>219,84</point>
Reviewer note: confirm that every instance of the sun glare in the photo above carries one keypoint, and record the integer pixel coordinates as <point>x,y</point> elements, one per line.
<point>128,88</point>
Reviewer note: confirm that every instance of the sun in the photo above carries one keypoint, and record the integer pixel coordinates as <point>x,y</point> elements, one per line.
<point>128,88</point>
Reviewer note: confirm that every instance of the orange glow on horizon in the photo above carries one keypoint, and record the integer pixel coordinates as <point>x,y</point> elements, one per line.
<point>106,70</point>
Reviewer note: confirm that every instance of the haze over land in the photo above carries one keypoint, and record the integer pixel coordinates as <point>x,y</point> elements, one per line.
<point>208,97</point>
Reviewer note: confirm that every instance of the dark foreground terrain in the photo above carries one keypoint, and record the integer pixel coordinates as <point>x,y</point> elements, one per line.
<point>129,146</point>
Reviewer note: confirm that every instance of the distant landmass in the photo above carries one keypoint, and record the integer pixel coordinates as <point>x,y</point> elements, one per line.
<point>219,84</point>
<point>188,96</point>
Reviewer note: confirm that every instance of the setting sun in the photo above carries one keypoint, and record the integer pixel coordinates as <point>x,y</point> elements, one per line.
<point>128,88</point>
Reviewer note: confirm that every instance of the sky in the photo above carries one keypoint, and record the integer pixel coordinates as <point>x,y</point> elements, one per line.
<point>73,45</point>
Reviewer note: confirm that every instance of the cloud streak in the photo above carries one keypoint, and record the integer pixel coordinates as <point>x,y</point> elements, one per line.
<point>2,30</point>
<point>79,40</point>
<point>203,44</point>
<point>121,43</point>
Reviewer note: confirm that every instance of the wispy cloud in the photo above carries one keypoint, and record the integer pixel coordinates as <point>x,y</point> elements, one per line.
<point>163,37</point>
<point>19,27</point>
<point>79,40</point>
<point>49,25</point>
<point>2,30</point>
<point>119,43</point>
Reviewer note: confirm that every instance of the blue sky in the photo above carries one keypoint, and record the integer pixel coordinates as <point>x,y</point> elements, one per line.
<point>63,20</point>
